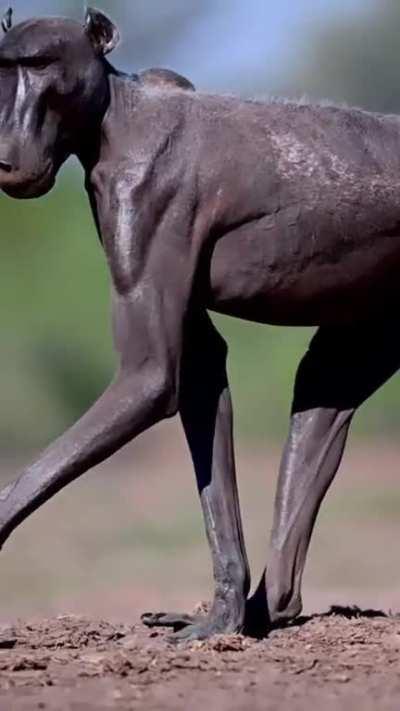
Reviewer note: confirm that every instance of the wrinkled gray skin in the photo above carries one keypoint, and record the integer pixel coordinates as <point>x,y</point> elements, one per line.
<point>275,212</point>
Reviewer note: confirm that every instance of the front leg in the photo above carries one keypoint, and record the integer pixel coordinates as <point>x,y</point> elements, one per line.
<point>206,412</point>
<point>140,395</point>
<point>148,311</point>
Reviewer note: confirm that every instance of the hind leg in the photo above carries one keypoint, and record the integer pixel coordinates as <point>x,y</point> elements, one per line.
<point>206,412</point>
<point>341,369</point>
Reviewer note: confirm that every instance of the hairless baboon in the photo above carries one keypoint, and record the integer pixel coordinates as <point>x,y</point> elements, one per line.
<point>276,212</point>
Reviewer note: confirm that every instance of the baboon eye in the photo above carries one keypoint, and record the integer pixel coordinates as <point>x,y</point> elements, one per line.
<point>36,62</point>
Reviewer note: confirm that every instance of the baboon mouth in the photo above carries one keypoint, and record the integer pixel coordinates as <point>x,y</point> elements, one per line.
<point>31,187</point>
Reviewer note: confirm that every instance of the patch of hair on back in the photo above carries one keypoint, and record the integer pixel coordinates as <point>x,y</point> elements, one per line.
<point>164,79</point>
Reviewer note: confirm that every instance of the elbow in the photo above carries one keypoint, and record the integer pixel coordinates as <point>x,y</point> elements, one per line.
<point>152,389</point>
<point>162,393</point>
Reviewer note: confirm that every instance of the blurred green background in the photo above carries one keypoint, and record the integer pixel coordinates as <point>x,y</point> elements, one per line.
<point>56,353</point>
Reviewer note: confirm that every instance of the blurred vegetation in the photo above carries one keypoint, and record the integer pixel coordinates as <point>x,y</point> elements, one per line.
<point>56,353</point>
<point>351,60</point>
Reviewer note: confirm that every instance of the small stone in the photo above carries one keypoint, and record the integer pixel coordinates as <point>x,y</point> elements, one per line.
<point>341,678</point>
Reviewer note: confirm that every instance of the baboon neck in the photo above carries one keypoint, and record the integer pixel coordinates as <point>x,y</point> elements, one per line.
<point>112,102</point>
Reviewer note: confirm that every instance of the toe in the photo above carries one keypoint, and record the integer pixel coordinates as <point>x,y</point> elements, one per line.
<point>164,619</point>
<point>151,619</point>
<point>191,633</point>
<point>187,634</point>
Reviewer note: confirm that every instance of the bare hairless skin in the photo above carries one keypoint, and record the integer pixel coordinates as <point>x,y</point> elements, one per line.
<point>274,212</point>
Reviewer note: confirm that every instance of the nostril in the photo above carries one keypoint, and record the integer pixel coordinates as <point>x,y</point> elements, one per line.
<point>5,166</point>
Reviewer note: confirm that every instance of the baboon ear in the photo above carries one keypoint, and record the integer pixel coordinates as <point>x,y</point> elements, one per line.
<point>6,22</point>
<point>103,34</point>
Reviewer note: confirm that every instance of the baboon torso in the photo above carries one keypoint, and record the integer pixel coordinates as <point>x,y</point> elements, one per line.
<point>299,204</point>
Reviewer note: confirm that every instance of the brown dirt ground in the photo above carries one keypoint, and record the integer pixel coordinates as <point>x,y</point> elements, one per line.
<point>345,659</point>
